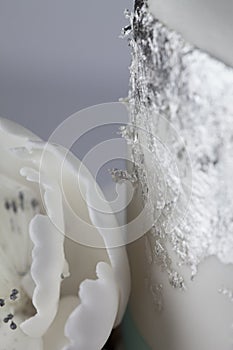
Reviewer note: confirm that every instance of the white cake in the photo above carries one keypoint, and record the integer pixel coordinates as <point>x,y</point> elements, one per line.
<point>205,23</point>
<point>181,141</point>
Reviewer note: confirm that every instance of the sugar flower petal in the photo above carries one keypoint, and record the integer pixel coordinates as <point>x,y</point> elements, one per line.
<point>47,267</point>
<point>55,338</point>
<point>103,300</point>
<point>101,220</point>
<point>90,324</point>
<point>117,255</point>
<point>16,130</point>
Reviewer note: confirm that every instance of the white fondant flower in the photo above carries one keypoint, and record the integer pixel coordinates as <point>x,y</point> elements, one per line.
<point>54,293</point>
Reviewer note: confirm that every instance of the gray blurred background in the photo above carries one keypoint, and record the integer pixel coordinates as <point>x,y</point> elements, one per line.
<point>58,57</point>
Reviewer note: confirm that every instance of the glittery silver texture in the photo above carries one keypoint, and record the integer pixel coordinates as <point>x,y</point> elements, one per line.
<point>181,142</point>
<point>119,176</point>
<point>157,295</point>
<point>227,293</point>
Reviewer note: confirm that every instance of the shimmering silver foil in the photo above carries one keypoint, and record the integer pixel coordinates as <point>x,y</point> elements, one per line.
<point>181,141</point>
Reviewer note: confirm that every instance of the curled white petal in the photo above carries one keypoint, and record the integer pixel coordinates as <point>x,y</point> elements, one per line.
<point>28,284</point>
<point>47,267</point>
<point>103,300</point>
<point>99,219</point>
<point>90,324</point>
<point>117,255</point>
<point>55,338</point>
<point>15,130</point>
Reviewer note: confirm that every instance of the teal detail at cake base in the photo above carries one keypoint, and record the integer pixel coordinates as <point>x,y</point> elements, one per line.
<point>131,336</point>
